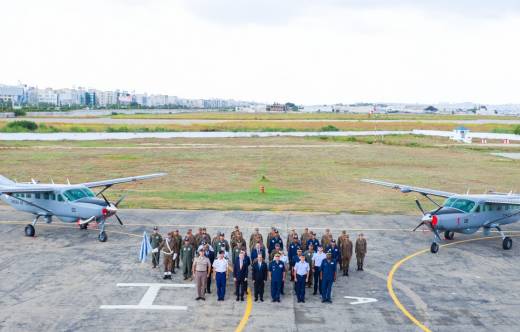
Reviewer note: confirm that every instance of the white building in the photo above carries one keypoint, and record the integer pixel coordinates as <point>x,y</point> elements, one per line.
<point>13,94</point>
<point>107,98</point>
<point>69,97</point>
<point>47,96</point>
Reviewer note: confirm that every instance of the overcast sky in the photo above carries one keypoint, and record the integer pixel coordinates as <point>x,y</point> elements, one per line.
<point>308,52</point>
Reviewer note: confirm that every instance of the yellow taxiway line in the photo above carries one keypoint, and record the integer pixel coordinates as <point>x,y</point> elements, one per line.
<point>390,279</point>
<point>247,313</point>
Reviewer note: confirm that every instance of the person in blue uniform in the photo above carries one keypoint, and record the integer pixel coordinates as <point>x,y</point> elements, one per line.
<point>328,276</point>
<point>315,242</point>
<point>317,259</point>
<point>301,273</point>
<point>276,239</point>
<point>277,276</point>
<point>292,253</point>
<point>334,249</point>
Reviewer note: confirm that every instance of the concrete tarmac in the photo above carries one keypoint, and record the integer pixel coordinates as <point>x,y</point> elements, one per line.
<point>59,280</point>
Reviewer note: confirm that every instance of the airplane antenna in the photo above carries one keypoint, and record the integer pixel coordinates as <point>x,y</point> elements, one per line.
<point>467,192</point>
<point>52,181</point>
<point>33,181</point>
<point>68,181</point>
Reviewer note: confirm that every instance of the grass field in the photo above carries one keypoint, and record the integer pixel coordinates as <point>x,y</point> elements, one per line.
<point>304,174</point>
<point>261,126</point>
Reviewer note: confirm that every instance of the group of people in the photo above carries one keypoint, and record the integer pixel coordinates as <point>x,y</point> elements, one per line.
<point>309,262</point>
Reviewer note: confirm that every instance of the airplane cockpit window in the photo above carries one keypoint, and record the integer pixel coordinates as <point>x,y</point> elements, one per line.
<point>78,193</point>
<point>464,205</point>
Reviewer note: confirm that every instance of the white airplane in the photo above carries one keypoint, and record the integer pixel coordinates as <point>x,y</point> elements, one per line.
<point>67,202</point>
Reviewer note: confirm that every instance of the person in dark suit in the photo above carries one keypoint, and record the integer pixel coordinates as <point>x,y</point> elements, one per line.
<point>258,250</point>
<point>240,271</point>
<point>259,276</point>
<point>208,252</point>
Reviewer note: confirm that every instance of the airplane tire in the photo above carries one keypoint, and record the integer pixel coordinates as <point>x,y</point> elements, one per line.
<point>507,243</point>
<point>83,226</point>
<point>102,236</point>
<point>449,235</point>
<point>434,248</point>
<point>29,230</point>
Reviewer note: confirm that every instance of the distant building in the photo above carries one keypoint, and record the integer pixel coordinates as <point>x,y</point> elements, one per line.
<point>69,97</point>
<point>47,97</point>
<point>107,98</point>
<point>90,98</point>
<point>276,108</point>
<point>13,94</point>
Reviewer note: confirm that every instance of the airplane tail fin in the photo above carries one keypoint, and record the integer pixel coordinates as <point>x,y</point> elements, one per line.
<point>5,181</point>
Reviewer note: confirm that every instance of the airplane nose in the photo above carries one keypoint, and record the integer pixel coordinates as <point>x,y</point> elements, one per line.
<point>109,210</point>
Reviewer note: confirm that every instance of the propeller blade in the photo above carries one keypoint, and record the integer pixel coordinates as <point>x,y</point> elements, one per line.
<point>419,206</point>
<point>118,219</point>
<point>120,200</point>
<point>420,224</point>
<point>435,212</point>
<point>106,200</point>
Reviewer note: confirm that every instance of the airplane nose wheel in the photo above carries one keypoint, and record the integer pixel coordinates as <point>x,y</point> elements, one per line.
<point>434,248</point>
<point>83,226</point>
<point>29,230</point>
<point>103,236</point>
<point>507,243</point>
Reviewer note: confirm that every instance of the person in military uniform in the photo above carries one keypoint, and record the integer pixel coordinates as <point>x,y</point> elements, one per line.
<point>293,248</point>
<point>334,249</point>
<point>308,258</point>
<point>290,238</point>
<point>255,238</point>
<point>191,237</point>
<point>317,260</point>
<point>346,252</point>
<point>205,236</point>
<point>301,271</point>
<point>155,242</point>
<point>201,270</point>
<point>178,242</point>
<point>361,251</point>
<point>275,251</point>
<point>221,242</point>
<point>214,241</point>
<point>315,242</point>
<point>276,239</point>
<point>341,238</point>
<point>187,254</point>
<point>304,238</point>
<point>328,276</point>
<point>234,233</point>
<point>270,236</point>
<point>277,276</point>
<point>167,247</point>
<point>198,238</point>
<point>326,238</point>
<point>239,242</point>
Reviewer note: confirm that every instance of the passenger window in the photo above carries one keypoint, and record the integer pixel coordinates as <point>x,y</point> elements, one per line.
<point>37,196</point>
<point>477,210</point>
<point>53,197</point>
<point>22,195</point>
<point>46,196</point>
<point>28,195</point>
<point>499,207</point>
<point>60,198</point>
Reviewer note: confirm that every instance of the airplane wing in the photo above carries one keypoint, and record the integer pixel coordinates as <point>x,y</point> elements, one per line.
<point>107,183</point>
<point>408,189</point>
<point>23,188</point>
<point>502,200</point>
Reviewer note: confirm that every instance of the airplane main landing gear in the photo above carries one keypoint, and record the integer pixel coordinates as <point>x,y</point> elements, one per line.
<point>29,230</point>
<point>434,248</point>
<point>507,243</point>
<point>448,235</point>
<point>83,226</point>
<point>102,236</point>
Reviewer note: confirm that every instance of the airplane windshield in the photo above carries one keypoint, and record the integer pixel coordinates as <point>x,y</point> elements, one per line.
<point>465,205</point>
<point>75,194</point>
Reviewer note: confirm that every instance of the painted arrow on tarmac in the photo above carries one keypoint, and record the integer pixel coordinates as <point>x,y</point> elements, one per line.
<point>360,300</point>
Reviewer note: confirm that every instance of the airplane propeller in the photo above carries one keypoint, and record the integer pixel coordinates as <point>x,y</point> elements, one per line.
<point>427,218</point>
<point>115,205</point>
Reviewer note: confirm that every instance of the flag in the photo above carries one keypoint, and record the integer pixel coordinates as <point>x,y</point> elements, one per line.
<point>146,248</point>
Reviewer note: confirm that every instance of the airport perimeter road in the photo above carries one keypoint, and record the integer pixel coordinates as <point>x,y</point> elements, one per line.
<point>65,280</point>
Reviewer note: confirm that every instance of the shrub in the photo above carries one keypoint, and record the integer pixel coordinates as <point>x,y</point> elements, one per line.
<point>23,124</point>
<point>517,130</point>
<point>329,128</point>
<point>19,112</point>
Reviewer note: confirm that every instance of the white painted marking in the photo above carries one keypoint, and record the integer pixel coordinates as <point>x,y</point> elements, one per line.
<point>148,298</point>
<point>360,300</point>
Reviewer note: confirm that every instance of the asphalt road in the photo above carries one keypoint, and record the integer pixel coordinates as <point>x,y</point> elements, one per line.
<point>59,280</point>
